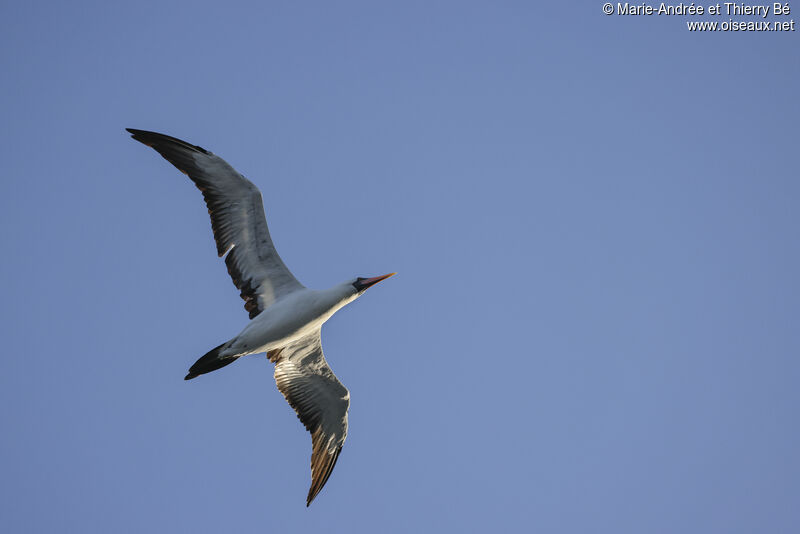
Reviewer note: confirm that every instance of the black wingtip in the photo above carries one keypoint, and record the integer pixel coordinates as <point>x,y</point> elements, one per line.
<point>189,376</point>
<point>138,133</point>
<point>134,132</point>
<point>152,139</point>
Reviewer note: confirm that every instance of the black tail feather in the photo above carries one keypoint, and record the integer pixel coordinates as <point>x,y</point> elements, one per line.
<point>209,362</point>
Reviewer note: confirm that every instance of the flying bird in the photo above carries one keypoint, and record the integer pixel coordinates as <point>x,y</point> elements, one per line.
<point>285,316</point>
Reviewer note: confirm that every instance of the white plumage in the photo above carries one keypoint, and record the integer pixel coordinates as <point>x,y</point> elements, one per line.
<point>286,317</point>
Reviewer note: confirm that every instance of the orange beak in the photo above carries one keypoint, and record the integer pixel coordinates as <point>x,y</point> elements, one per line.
<point>364,283</point>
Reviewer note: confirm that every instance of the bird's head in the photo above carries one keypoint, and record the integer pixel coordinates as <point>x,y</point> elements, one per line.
<point>362,284</point>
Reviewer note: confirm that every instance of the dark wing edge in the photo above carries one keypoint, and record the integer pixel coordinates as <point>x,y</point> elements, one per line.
<point>237,220</point>
<point>320,400</point>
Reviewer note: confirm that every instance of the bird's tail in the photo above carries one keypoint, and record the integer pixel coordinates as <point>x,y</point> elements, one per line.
<point>211,361</point>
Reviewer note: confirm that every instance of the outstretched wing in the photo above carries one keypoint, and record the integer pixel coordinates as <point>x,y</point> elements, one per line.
<point>320,400</point>
<point>237,219</point>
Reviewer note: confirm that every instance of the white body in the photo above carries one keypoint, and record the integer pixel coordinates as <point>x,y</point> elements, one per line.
<point>289,319</point>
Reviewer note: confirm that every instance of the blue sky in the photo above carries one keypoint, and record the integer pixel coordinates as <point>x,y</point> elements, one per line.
<point>594,327</point>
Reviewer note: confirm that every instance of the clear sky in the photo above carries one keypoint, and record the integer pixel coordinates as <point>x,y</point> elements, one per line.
<point>594,218</point>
